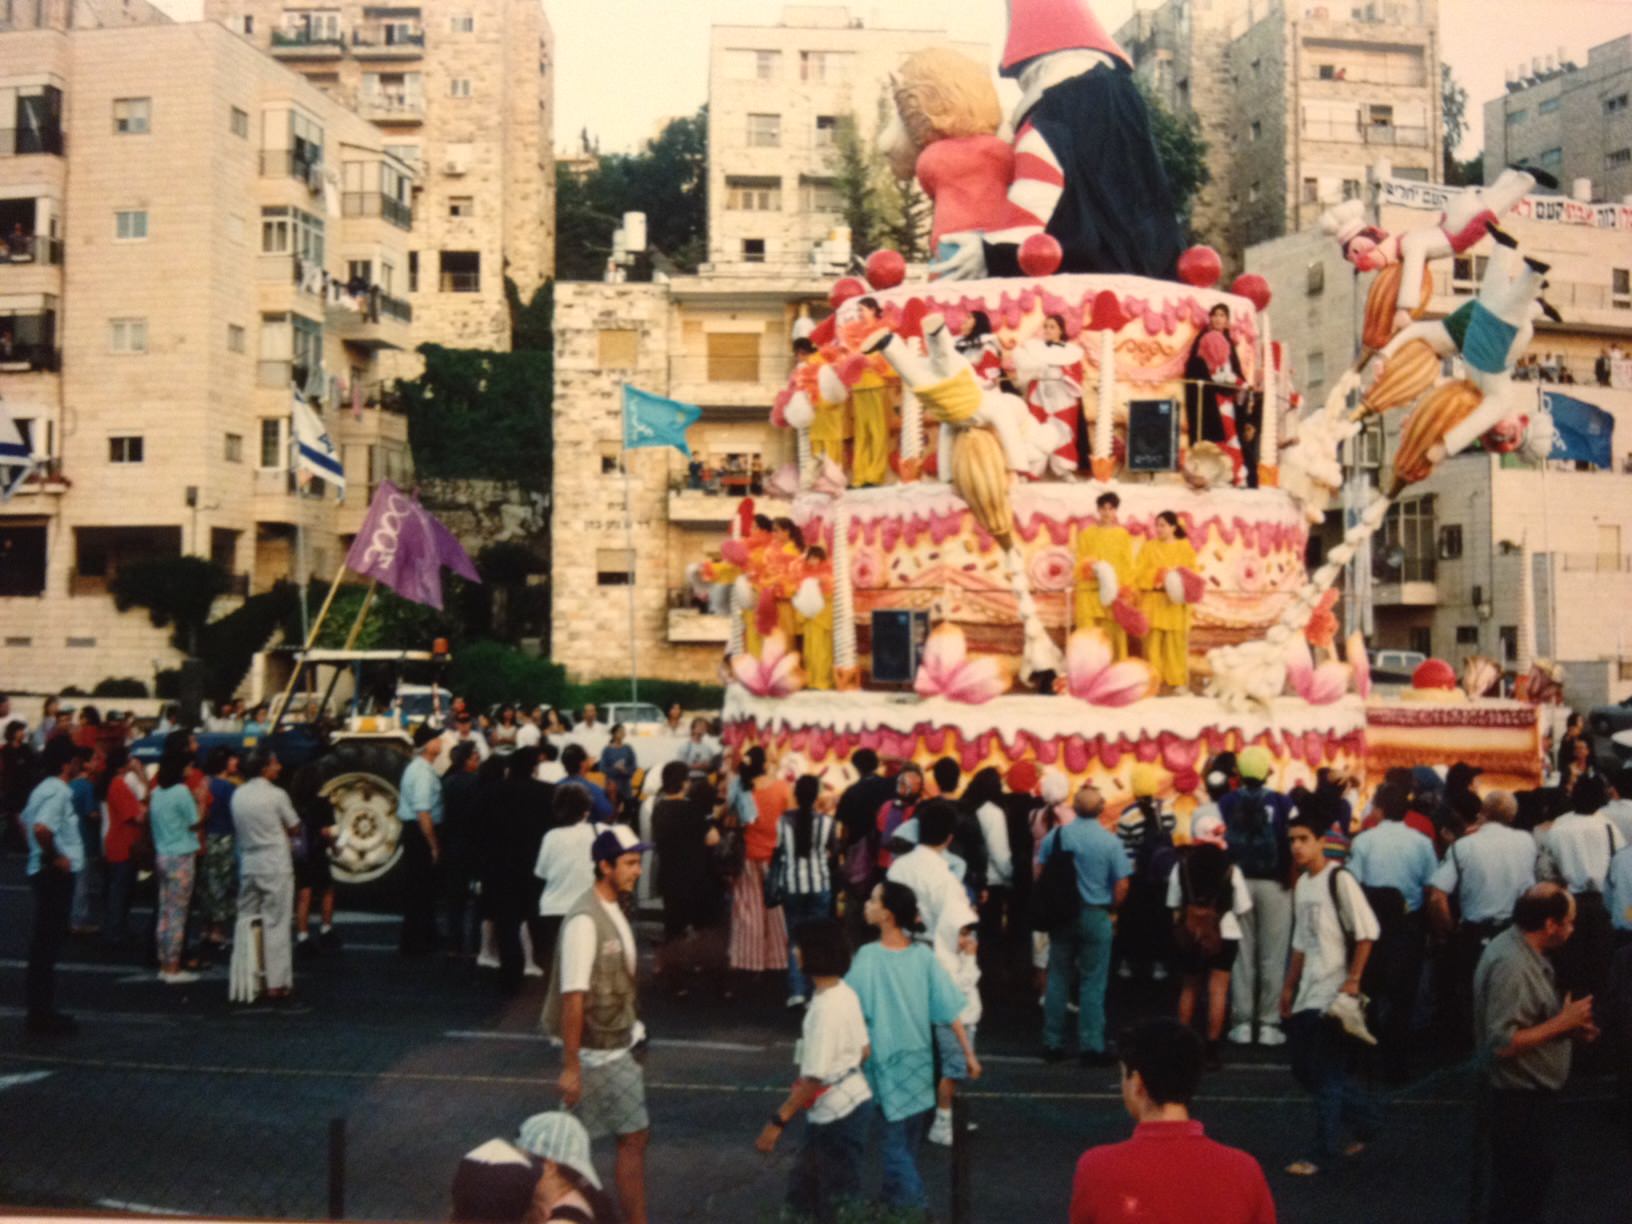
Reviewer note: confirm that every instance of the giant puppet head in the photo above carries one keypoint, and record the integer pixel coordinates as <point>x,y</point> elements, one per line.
<point>940,94</point>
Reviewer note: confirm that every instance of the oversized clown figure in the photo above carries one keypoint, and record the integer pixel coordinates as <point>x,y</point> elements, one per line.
<point>1086,171</point>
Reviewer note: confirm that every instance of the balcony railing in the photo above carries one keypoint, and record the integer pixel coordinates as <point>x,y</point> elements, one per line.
<point>387,40</point>
<point>21,142</point>
<point>403,107</point>
<point>307,42</point>
<point>18,355</point>
<point>461,282</point>
<point>284,374</point>
<point>377,204</point>
<point>396,308</point>
<point>1384,134</point>
<point>31,249</point>
<point>87,584</point>
<point>1597,563</point>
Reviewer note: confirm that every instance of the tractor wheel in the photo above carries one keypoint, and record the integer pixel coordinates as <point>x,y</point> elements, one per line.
<point>359,782</point>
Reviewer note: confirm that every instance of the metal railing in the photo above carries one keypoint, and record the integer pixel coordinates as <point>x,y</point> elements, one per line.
<point>22,142</point>
<point>1385,134</point>
<point>1596,563</point>
<point>306,40</point>
<point>31,249</point>
<point>390,105</point>
<point>461,282</point>
<point>283,374</point>
<point>376,38</point>
<point>396,308</point>
<point>278,163</point>
<point>377,204</point>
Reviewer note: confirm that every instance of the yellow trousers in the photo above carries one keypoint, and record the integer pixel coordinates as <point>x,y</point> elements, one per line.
<point>872,460</point>
<point>817,653</point>
<point>1113,630</point>
<point>833,448</point>
<point>1168,652</point>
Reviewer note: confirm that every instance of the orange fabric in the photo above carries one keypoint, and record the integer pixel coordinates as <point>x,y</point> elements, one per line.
<point>772,797</point>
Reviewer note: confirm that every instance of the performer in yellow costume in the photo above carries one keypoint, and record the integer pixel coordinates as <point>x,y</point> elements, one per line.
<point>1107,541</point>
<point>817,627</point>
<point>1167,646</point>
<point>830,430</point>
<point>781,572</point>
<point>872,397</point>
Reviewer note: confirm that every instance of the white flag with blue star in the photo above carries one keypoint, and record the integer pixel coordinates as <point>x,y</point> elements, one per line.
<point>16,456</point>
<point>315,452</point>
<point>651,420</point>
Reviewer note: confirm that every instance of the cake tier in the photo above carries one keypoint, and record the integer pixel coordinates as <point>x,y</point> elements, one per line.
<point>918,546</point>
<point>814,732</point>
<point>1503,738</point>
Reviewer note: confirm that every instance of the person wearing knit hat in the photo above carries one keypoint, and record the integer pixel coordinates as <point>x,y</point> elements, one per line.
<point>1146,828</point>
<point>494,1184</point>
<point>1255,819</point>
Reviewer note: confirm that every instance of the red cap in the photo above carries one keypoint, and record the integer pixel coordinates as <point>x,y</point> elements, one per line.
<point>1037,27</point>
<point>1022,778</point>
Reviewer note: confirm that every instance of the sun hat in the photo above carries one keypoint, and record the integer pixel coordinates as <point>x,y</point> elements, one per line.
<point>559,1137</point>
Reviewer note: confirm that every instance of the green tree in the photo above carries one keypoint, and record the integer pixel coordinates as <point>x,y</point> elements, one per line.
<point>855,180</point>
<point>1453,113</point>
<point>1180,148</point>
<point>175,591</point>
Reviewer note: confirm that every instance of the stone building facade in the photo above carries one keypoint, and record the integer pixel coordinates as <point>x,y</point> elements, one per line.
<point>1295,99</point>
<point>464,92</point>
<point>163,288</point>
<point>1573,121</point>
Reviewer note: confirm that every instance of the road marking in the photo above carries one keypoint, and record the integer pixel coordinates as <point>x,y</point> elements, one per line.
<point>23,1077</point>
<point>68,966</point>
<point>138,1208</point>
<point>205,976</point>
<point>662,1043</point>
<point>124,1017</point>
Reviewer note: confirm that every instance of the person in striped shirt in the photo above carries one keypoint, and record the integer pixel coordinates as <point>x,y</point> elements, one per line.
<point>805,845</point>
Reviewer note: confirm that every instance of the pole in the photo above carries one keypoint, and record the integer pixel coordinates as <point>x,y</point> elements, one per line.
<point>629,546</point>
<point>337,1168</point>
<point>963,1205</point>
<point>311,640</point>
<point>362,612</point>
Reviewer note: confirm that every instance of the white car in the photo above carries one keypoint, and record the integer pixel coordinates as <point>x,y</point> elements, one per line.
<point>1402,661</point>
<point>637,717</point>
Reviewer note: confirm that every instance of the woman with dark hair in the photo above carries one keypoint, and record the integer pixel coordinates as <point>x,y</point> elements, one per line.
<point>682,834</point>
<point>756,801</point>
<point>1207,894</point>
<point>617,765</point>
<point>1211,372</point>
<point>501,736</point>
<point>1575,731</point>
<point>218,879</point>
<point>175,819</point>
<point>904,991</point>
<point>515,810</point>
<point>805,850</point>
<point>1160,573</point>
<point>980,349</point>
<point>127,814</point>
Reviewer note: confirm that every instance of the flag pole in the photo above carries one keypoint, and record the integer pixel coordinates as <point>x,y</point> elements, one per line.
<point>362,613</point>
<point>629,546</point>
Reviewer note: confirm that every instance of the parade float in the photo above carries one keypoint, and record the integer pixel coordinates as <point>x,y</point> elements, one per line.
<point>1068,480</point>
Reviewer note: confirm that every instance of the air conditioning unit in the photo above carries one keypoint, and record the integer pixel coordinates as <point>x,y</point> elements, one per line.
<point>455,167</point>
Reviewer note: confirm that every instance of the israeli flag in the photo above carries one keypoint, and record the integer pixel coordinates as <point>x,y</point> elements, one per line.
<point>315,452</point>
<point>651,420</point>
<point>16,456</point>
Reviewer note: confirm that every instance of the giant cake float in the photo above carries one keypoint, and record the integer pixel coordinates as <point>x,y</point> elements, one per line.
<point>957,438</point>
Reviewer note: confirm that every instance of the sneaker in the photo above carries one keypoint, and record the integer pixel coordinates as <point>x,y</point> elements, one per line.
<point>1124,972</point>
<point>1271,1035</point>
<point>485,961</point>
<point>941,1131</point>
<point>1158,972</point>
<point>796,1000</point>
<point>179,978</point>
<point>532,970</point>
<point>1241,1034</point>
<point>1350,1011</point>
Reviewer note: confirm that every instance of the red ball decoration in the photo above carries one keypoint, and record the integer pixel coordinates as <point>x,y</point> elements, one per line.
<point>843,290</point>
<point>1433,674</point>
<point>1200,266</point>
<point>886,269</point>
<point>1254,288</point>
<point>1040,255</point>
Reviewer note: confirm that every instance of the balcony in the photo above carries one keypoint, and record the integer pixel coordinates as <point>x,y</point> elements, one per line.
<point>690,627</point>
<point>307,45</point>
<point>386,41</point>
<point>1383,135</point>
<point>297,164</point>
<point>746,382</point>
<point>370,318</point>
<point>1596,563</point>
<point>281,375</point>
<point>24,142</point>
<point>30,249</point>
<point>387,107</point>
<point>700,508</point>
<point>377,204</point>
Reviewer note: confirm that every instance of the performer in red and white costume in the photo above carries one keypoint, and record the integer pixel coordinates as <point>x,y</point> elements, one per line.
<point>1051,371</point>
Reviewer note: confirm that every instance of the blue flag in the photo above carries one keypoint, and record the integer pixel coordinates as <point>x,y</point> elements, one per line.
<point>651,420</point>
<point>1581,432</point>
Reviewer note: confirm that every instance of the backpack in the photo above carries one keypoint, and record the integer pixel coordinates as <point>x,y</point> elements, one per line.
<point>1250,835</point>
<point>1199,930</point>
<point>1055,900</point>
<point>1153,860</point>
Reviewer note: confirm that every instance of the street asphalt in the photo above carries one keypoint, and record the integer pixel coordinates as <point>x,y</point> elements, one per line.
<point>173,1100</point>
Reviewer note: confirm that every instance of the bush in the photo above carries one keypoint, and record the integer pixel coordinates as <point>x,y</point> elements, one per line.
<point>491,673</point>
<point>228,645</point>
<point>119,686</point>
<point>175,591</point>
<point>661,693</point>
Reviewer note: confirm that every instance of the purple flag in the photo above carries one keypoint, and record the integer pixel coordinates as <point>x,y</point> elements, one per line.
<point>404,546</point>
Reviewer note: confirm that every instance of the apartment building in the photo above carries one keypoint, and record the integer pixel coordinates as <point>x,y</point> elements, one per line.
<point>1445,571</point>
<point>776,97</point>
<point>463,91</point>
<point>719,341</point>
<point>1574,121</point>
<point>1295,100</point>
<point>190,232</point>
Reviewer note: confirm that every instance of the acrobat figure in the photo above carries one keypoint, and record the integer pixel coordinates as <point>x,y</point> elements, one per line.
<point>1051,370</point>
<point>1086,171</point>
<point>1469,215</point>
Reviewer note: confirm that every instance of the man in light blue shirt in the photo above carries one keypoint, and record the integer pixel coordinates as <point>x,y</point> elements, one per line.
<point>1084,944</point>
<point>55,855</point>
<point>1394,856</point>
<point>419,807</point>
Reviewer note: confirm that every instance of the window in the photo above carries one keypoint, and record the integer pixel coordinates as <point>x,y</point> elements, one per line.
<point>614,566</point>
<point>1409,529</point>
<point>22,562</point>
<point>272,455</point>
<point>824,66</point>
<point>1315,367</point>
<point>1351,188</point>
<point>413,271</point>
<point>131,115</point>
<point>1509,637</point>
<point>1466,273</point>
<point>733,356</point>
<point>753,65</point>
<point>1255,131</point>
<point>459,87</point>
<point>765,131</point>
<point>232,449</point>
<point>821,195</point>
<point>1467,635</point>
<point>1253,192</point>
<point>125,448</point>
<point>249,25</point>
<point>127,335</point>
<point>224,547</point>
<point>461,206</point>
<point>753,194</point>
<point>1450,541</point>
<point>1552,157</point>
<point>238,122</point>
<point>1620,288</point>
<point>753,250</point>
<point>236,338</point>
<point>617,348</point>
<point>1616,103</point>
<point>360,270</point>
<point>1324,72</point>
<point>1547,107</point>
<point>1617,159</point>
<point>462,23</point>
<point>1311,191</point>
<point>827,131</point>
<point>130,225</point>
<point>1514,118</point>
<point>1380,115</point>
<point>461,272</point>
<point>611,458</point>
<point>292,231</point>
<point>1314,279</point>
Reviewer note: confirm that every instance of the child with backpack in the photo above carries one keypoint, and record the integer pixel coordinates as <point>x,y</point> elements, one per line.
<point>1255,819</point>
<point>1208,896</point>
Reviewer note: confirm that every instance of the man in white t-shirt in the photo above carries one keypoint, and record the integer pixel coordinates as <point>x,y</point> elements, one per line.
<point>591,1007</point>
<point>925,870</point>
<point>462,729</point>
<point>564,861</point>
<point>528,733</point>
<point>1333,930</point>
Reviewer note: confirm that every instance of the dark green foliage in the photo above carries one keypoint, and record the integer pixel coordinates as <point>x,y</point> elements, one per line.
<point>532,324</point>
<point>228,645</point>
<point>1182,151</point>
<point>119,686</point>
<point>175,591</point>
<point>856,174</point>
<point>489,673</point>
<point>480,415</point>
<point>661,693</point>
<point>668,181</point>
<point>1453,110</point>
<point>393,623</point>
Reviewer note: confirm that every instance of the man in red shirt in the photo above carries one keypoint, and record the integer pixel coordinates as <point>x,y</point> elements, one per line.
<point>1169,1172</point>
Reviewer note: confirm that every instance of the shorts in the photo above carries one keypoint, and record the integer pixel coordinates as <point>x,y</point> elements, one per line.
<point>953,1064</point>
<point>614,1098</point>
<point>1193,963</point>
<point>1039,949</point>
<point>313,871</point>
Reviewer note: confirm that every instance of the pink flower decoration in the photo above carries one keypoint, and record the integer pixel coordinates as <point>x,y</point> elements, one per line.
<point>1052,570</point>
<point>948,671</point>
<point>775,673</point>
<point>1354,650</point>
<point>1317,685</point>
<point>784,482</point>
<point>734,551</point>
<point>867,569</point>
<point>1092,675</point>
<point>1249,574</point>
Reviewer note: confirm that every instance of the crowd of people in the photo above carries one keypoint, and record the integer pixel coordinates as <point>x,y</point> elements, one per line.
<point>1430,922</point>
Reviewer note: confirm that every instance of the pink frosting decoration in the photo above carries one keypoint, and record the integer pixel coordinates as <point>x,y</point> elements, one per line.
<point>1092,675</point>
<point>948,671</point>
<point>1317,685</point>
<point>867,569</point>
<point>1077,755</point>
<point>775,673</point>
<point>1052,569</point>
